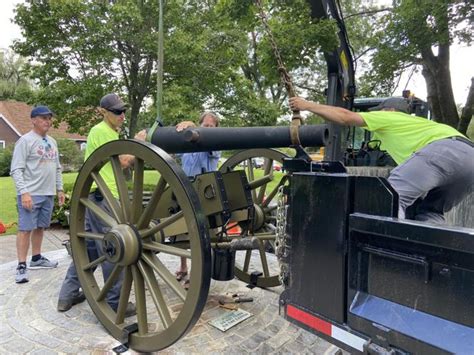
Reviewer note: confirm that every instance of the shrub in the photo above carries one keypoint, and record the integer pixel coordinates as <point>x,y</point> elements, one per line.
<point>71,156</point>
<point>6,160</point>
<point>59,212</point>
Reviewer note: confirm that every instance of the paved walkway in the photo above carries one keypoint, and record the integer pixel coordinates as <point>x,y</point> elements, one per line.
<point>29,322</point>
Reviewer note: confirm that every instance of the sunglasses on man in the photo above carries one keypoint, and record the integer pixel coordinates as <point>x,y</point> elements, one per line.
<point>117,112</point>
<point>46,144</point>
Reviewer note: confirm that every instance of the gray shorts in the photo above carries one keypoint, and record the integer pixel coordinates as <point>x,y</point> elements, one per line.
<point>39,216</point>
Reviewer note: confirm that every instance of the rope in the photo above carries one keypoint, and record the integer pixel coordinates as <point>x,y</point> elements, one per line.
<point>285,78</point>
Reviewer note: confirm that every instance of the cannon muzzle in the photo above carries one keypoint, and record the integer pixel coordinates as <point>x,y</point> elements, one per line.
<point>225,138</point>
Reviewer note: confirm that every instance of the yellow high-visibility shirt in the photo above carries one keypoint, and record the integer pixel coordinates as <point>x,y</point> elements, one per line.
<point>401,134</point>
<point>100,134</point>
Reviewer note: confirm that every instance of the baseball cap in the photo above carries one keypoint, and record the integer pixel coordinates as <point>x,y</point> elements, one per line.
<point>41,111</point>
<point>112,102</point>
<point>397,103</point>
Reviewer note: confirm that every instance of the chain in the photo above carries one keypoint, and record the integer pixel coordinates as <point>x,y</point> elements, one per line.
<point>281,247</point>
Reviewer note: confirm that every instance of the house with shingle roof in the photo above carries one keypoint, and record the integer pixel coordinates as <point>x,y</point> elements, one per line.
<point>15,121</point>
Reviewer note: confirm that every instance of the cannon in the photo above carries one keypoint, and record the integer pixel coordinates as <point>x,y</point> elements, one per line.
<point>180,217</point>
<point>378,285</point>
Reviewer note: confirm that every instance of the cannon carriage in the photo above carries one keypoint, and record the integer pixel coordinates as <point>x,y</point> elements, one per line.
<point>193,218</point>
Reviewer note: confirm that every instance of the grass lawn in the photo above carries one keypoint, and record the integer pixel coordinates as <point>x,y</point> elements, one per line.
<point>8,209</point>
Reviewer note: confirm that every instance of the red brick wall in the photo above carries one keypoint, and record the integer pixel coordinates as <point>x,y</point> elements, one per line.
<point>7,134</point>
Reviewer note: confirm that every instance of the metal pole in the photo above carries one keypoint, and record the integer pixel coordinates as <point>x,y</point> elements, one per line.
<point>159,78</point>
<point>159,84</point>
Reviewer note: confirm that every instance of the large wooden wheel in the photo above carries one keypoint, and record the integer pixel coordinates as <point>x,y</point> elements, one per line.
<point>140,248</point>
<point>260,167</point>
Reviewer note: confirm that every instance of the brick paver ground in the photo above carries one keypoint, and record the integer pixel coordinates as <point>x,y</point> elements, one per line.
<point>29,322</point>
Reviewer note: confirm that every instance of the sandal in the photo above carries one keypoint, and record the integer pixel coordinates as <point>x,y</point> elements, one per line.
<point>180,275</point>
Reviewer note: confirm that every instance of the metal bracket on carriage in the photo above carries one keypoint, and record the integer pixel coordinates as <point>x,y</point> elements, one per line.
<point>129,329</point>
<point>254,279</point>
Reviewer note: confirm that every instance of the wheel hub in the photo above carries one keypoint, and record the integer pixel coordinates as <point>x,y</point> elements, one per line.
<point>122,245</point>
<point>258,218</point>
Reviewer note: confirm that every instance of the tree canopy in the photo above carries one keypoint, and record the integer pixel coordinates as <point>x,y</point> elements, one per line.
<point>14,83</point>
<point>416,35</point>
<point>216,57</point>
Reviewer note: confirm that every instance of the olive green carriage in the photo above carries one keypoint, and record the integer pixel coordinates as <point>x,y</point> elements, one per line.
<point>152,225</point>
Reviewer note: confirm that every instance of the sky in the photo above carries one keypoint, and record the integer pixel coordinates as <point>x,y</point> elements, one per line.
<point>461,58</point>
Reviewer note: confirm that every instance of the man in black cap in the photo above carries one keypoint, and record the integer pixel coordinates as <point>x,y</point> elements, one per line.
<point>36,170</point>
<point>435,161</point>
<point>112,109</point>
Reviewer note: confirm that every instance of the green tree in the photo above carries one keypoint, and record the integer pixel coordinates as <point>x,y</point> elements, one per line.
<point>71,157</point>
<point>14,84</point>
<point>82,49</point>
<point>417,35</point>
<point>261,96</point>
<point>6,159</point>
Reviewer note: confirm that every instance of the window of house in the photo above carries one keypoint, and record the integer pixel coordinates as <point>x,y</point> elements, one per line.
<point>2,144</point>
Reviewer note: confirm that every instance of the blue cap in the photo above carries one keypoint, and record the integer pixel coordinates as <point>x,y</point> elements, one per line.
<point>41,111</point>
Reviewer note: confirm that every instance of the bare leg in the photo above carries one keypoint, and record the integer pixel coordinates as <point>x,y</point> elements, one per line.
<point>22,245</point>
<point>183,270</point>
<point>184,266</point>
<point>36,241</point>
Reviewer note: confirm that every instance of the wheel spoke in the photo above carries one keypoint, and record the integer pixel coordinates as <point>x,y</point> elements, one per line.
<point>273,193</point>
<point>260,182</point>
<point>248,254</point>
<point>163,224</point>
<point>270,209</point>
<point>111,200</point>
<point>109,282</point>
<point>268,174</point>
<point>99,212</point>
<point>263,258</point>
<point>89,235</point>
<point>168,249</point>
<point>93,264</point>
<point>156,293</point>
<point>138,177</point>
<point>139,286</point>
<point>150,208</point>
<point>251,177</point>
<point>270,226</point>
<point>165,274</point>
<point>121,186</point>
<point>124,296</point>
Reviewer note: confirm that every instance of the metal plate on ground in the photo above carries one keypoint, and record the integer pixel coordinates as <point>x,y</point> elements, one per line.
<point>229,319</point>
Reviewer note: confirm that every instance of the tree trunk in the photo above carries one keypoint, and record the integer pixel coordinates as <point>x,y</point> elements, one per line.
<point>467,111</point>
<point>439,88</point>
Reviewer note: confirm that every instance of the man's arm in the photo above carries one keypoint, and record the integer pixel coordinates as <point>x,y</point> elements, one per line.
<point>333,114</point>
<point>59,178</point>
<point>126,160</point>
<point>17,170</point>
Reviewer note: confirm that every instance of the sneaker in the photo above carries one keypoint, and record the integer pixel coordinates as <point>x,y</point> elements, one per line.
<point>43,263</point>
<point>66,305</point>
<point>21,274</point>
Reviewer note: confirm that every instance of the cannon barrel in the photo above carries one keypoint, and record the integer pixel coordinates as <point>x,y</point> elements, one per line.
<point>201,139</point>
<point>223,138</point>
